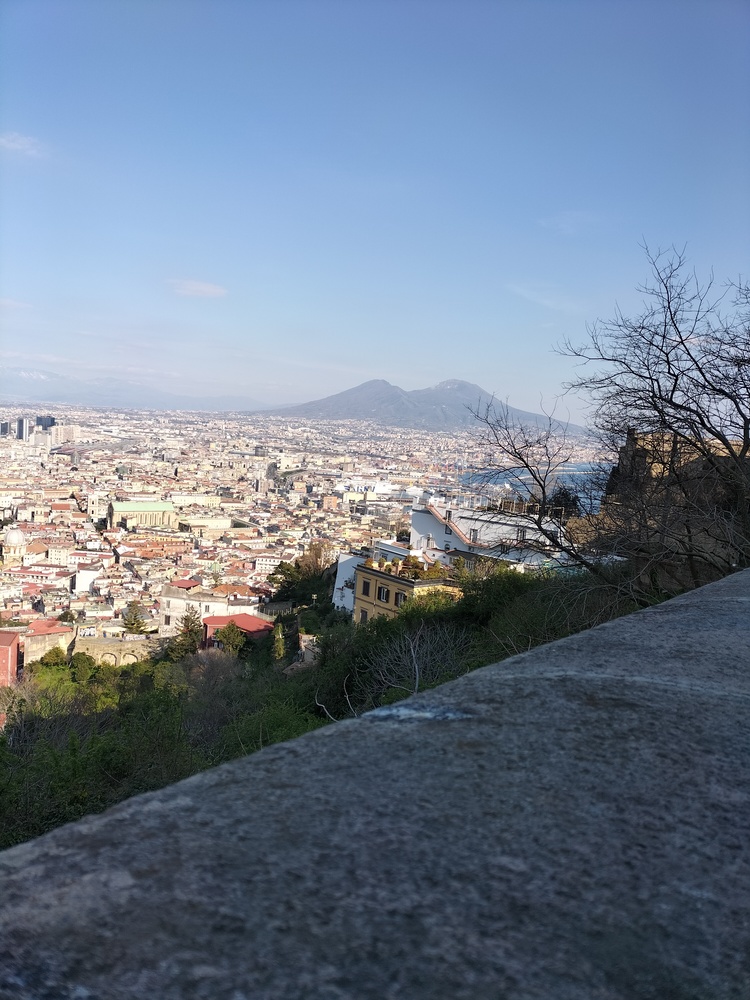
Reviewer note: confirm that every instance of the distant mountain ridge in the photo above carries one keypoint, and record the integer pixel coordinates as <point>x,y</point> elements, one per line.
<point>450,405</point>
<point>27,385</point>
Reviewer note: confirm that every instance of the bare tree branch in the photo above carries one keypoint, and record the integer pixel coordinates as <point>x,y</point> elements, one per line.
<point>670,397</point>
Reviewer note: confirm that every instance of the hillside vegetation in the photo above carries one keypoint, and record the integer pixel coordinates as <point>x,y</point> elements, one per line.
<point>81,737</point>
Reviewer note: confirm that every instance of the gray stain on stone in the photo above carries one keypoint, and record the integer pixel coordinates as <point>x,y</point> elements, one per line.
<point>417,713</point>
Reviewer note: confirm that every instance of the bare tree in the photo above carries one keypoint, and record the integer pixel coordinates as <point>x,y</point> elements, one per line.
<point>670,397</point>
<point>533,459</point>
<point>318,556</point>
<point>679,374</point>
<point>682,365</point>
<point>415,658</point>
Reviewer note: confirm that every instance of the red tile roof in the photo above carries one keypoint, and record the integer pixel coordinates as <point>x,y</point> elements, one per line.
<point>43,626</point>
<point>248,623</point>
<point>234,588</point>
<point>185,584</point>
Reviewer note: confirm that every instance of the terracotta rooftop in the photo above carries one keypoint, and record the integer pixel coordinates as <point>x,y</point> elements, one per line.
<point>241,589</point>
<point>43,626</point>
<point>248,623</point>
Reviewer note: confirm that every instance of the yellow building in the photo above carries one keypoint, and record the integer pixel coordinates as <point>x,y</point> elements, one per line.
<point>379,593</point>
<point>141,513</point>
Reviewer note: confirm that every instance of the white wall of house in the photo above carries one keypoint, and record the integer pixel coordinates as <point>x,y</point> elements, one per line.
<point>472,533</point>
<point>343,596</point>
<point>85,577</point>
<point>172,608</point>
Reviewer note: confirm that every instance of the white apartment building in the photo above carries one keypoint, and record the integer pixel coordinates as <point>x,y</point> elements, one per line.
<point>445,533</point>
<point>177,596</point>
<point>266,562</point>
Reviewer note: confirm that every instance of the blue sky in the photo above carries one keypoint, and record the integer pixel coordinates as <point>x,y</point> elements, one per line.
<point>287,198</point>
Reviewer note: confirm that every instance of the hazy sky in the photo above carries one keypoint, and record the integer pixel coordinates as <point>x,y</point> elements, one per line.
<point>287,198</point>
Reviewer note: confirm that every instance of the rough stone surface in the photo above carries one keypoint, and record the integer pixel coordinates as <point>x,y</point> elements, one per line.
<point>571,824</point>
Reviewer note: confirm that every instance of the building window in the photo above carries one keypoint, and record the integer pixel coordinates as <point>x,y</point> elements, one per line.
<point>473,534</point>
<point>167,620</point>
<point>448,531</point>
<point>362,616</point>
<point>365,588</point>
<point>168,603</point>
<point>448,515</point>
<point>384,594</point>
<point>207,608</point>
<point>520,534</point>
<point>399,599</point>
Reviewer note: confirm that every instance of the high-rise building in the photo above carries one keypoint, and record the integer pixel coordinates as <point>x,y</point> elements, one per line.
<point>61,433</point>
<point>23,425</point>
<point>45,422</point>
<point>4,428</point>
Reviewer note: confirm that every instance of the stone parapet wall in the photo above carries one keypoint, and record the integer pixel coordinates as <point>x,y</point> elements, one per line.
<point>119,652</point>
<point>570,824</point>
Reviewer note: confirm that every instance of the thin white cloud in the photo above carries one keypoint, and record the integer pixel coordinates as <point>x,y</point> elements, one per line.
<point>570,222</point>
<point>136,370</point>
<point>196,289</point>
<point>308,364</point>
<point>84,367</point>
<point>35,358</point>
<point>13,304</point>
<point>549,297</point>
<point>25,145</point>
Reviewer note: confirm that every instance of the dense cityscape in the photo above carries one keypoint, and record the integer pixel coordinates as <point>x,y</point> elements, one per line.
<point>374,500</point>
<point>113,506</point>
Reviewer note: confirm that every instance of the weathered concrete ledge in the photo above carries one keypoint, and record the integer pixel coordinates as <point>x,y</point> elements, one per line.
<point>572,824</point>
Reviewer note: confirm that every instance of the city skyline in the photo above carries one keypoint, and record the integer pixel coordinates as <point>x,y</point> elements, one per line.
<point>290,201</point>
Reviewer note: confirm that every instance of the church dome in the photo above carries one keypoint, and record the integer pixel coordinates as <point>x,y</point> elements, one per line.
<point>14,538</point>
